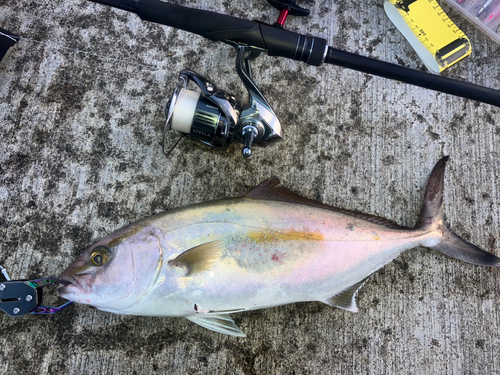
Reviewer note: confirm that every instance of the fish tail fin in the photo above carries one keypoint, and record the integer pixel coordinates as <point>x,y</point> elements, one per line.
<point>432,216</point>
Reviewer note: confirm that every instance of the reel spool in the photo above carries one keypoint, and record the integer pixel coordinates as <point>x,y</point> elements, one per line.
<point>215,117</point>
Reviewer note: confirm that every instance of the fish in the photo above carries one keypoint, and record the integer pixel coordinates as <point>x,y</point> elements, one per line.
<point>270,247</point>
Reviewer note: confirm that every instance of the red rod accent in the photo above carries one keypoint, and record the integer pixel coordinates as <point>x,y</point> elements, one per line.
<point>282,17</point>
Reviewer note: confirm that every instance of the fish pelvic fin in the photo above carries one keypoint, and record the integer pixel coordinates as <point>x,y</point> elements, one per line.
<point>346,299</point>
<point>432,217</point>
<point>199,258</point>
<point>221,323</point>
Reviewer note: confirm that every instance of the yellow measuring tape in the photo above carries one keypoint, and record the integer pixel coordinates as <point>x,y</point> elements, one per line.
<point>435,38</point>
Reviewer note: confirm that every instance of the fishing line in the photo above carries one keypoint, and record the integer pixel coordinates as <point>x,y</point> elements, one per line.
<point>98,73</point>
<point>74,50</point>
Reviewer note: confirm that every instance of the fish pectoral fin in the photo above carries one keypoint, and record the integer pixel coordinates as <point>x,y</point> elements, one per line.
<point>346,299</point>
<point>222,323</point>
<point>199,258</point>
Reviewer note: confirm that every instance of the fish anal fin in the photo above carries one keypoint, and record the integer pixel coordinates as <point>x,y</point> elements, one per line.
<point>272,190</point>
<point>221,323</point>
<point>200,258</point>
<point>347,298</point>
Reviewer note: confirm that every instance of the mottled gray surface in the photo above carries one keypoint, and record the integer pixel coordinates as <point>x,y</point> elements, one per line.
<point>81,114</point>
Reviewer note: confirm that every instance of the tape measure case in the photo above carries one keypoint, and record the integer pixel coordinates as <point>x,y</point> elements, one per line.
<point>437,40</point>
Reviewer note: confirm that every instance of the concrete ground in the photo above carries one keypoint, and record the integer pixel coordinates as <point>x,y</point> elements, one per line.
<point>81,112</point>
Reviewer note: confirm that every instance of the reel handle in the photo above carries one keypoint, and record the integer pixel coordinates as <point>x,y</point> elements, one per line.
<point>291,6</point>
<point>286,8</point>
<point>249,133</point>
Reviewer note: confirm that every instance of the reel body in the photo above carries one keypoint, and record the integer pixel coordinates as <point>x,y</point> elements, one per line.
<point>209,115</point>
<point>215,117</point>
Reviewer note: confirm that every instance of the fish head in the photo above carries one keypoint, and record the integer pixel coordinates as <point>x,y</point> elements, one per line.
<point>117,272</point>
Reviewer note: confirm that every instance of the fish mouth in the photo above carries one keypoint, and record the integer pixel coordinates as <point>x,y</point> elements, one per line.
<point>81,283</point>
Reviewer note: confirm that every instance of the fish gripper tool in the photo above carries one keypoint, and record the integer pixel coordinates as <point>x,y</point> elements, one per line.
<point>21,297</point>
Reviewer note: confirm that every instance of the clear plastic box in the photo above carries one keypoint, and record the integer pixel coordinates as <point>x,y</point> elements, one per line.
<point>484,13</point>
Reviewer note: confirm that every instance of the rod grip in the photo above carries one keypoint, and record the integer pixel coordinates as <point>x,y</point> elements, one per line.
<point>228,29</point>
<point>219,27</point>
<point>208,24</point>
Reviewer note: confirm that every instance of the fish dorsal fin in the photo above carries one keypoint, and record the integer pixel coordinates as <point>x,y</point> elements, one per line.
<point>272,190</point>
<point>199,258</point>
<point>222,323</point>
<point>346,299</point>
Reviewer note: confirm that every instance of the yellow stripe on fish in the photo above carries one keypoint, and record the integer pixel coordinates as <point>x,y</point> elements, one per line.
<point>261,237</point>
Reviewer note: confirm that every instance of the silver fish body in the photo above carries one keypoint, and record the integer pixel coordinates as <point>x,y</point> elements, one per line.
<point>268,248</point>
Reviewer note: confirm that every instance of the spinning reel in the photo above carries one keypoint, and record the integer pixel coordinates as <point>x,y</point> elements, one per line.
<point>215,117</point>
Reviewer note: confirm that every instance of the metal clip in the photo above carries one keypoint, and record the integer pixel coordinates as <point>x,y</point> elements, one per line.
<point>483,9</point>
<point>4,271</point>
<point>21,297</point>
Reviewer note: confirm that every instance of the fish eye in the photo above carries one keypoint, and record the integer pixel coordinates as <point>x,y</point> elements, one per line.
<point>100,255</point>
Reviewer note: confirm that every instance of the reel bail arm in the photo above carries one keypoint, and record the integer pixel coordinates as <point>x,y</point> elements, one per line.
<point>258,123</point>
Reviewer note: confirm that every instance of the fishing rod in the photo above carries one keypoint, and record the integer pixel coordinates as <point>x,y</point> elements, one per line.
<point>216,118</point>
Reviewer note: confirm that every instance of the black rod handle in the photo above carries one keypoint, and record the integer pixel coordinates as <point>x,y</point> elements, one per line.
<point>413,77</point>
<point>228,29</point>
<point>194,20</point>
